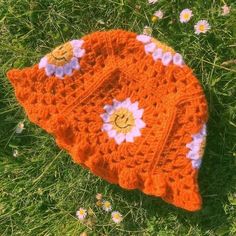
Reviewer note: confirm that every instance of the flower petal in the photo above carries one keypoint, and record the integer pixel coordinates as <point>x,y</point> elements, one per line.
<point>129,137</point>
<point>167,58</point>
<point>178,59</point>
<point>67,69</point>
<point>106,127</point>
<point>77,43</point>
<point>139,123</point>
<point>149,48</point>
<point>119,138</point>
<point>196,163</point>
<point>50,69</point>
<point>43,62</point>
<point>74,63</point>
<point>112,133</point>
<point>138,113</point>
<point>143,38</point>
<point>78,52</point>
<point>59,71</point>
<point>157,54</point>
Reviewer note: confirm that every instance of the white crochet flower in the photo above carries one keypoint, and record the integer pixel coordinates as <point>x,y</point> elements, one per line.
<point>63,59</point>
<point>123,120</point>
<point>151,47</point>
<point>196,147</point>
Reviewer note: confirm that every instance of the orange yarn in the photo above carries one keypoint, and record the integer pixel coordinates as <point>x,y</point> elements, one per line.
<point>157,108</point>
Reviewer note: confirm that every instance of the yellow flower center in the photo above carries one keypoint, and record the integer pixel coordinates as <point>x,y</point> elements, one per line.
<point>202,147</point>
<point>186,16</point>
<point>202,27</point>
<point>116,216</point>
<point>122,120</point>
<point>61,55</point>
<point>107,204</point>
<point>163,46</point>
<point>81,212</point>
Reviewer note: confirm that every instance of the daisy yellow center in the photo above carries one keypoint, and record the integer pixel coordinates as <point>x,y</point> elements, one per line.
<point>186,16</point>
<point>107,204</point>
<point>201,27</point>
<point>61,55</point>
<point>116,216</point>
<point>122,120</point>
<point>202,147</point>
<point>81,212</point>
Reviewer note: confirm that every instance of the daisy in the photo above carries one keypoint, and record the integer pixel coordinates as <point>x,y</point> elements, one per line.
<point>20,127</point>
<point>196,147</point>
<point>64,59</point>
<point>106,205</point>
<point>147,30</point>
<point>159,14</point>
<point>99,196</point>
<point>116,217</point>
<point>123,120</point>
<point>185,15</point>
<point>202,26</point>
<point>225,10</point>
<point>152,1</point>
<point>81,214</point>
<point>15,153</point>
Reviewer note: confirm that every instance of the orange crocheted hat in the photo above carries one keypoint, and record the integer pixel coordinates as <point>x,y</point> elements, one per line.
<point>126,107</point>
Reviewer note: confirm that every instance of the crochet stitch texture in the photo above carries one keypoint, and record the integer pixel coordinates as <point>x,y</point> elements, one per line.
<point>126,107</point>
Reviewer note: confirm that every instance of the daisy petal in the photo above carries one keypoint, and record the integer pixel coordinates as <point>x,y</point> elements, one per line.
<point>139,123</point>
<point>67,69</point>
<point>106,127</point>
<point>78,52</point>
<point>43,62</point>
<point>129,137</point>
<point>149,48</point>
<point>119,138</point>
<point>157,54</point>
<point>143,38</point>
<point>59,71</point>
<point>77,43</point>
<point>50,69</point>
<point>167,58</point>
<point>138,113</point>
<point>112,133</point>
<point>178,59</point>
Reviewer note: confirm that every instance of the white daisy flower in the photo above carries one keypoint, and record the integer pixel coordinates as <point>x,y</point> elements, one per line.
<point>81,213</point>
<point>196,147</point>
<point>225,10</point>
<point>185,15</point>
<point>63,59</point>
<point>123,120</point>
<point>116,217</point>
<point>106,206</point>
<point>15,153</point>
<point>159,14</point>
<point>152,1</point>
<point>20,127</point>
<point>147,30</point>
<point>202,26</point>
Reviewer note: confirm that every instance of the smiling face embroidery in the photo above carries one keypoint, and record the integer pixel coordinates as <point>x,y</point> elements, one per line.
<point>61,55</point>
<point>123,120</point>
<point>63,59</point>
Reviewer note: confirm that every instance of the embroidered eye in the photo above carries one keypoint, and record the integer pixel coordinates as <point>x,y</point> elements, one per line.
<point>123,121</point>
<point>63,59</point>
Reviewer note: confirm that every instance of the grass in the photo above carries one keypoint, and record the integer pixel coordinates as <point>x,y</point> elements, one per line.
<point>41,189</point>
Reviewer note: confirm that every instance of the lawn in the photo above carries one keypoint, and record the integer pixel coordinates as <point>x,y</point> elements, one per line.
<point>41,188</point>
